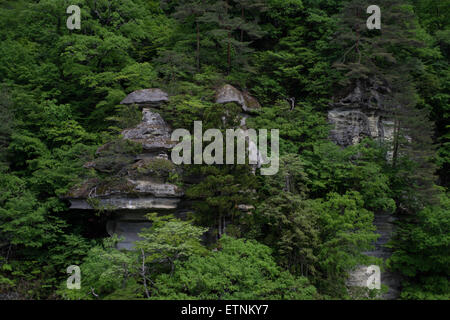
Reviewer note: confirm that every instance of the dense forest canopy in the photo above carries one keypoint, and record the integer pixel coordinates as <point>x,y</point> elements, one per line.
<point>60,94</point>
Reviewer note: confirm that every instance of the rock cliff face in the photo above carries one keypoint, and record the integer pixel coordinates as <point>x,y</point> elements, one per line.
<point>250,106</point>
<point>362,113</point>
<point>137,170</point>
<point>138,166</point>
<point>152,133</point>
<point>365,113</point>
<point>384,224</point>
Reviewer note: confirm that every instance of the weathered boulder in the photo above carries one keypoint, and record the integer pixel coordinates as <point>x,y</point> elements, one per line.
<point>147,98</point>
<point>153,133</point>
<point>125,202</point>
<point>134,179</point>
<point>229,94</point>
<point>97,189</point>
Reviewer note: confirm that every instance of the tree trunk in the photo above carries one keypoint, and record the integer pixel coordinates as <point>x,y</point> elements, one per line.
<point>143,274</point>
<point>229,53</point>
<point>229,43</point>
<point>198,47</point>
<point>243,19</point>
<point>396,142</point>
<point>219,228</point>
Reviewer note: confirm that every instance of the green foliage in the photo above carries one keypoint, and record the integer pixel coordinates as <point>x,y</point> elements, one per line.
<point>360,168</point>
<point>60,93</point>
<point>219,194</point>
<point>104,271</point>
<point>238,270</point>
<point>169,240</point>
<point>347,231</point>
<point>6,125</point>
<point>300,127</point>
<point>422,253</point>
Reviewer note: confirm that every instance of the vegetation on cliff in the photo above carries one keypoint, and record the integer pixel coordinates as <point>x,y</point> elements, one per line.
<point>60,94</point>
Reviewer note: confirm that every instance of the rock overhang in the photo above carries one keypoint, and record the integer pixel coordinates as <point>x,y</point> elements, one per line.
<point>153,97</point>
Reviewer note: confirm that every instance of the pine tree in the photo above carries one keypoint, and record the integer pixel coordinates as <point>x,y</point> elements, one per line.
<point>217,197</point>
<point>191,10</point>
<point>6,124</point>
<point>389,57</point>
<point>250,8</point>
<point>226,21</point>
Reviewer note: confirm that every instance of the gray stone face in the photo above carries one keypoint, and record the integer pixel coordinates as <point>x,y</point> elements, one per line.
<point>137,183</point>
<point>352,126</point>
<point>229,94</point>
<point>153,132</point>
<point>385,227</point>
<point>126,202</point>
<point>128,230</point>
<point>147,97</point>
<point>130,189</point>
<point>160,190</point>
<point>365,113</point>
<point>362,113</point>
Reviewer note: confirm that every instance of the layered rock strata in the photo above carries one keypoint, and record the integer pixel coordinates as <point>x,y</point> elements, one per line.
<point>133,173</point>
<point>250,106</point>
<point>364,112</point>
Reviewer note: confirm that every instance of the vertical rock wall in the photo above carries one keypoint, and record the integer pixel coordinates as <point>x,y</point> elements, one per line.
<point>364,113</point>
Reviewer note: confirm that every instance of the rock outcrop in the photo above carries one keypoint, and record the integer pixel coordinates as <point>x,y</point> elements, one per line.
<point>147,98</point>
<point>153,133</point>
<point>250,105</point>
<point>229,94</point>
<point>385,227</point>
<point>137,169</point>
<point>362,113</point>
<point>365,113</point>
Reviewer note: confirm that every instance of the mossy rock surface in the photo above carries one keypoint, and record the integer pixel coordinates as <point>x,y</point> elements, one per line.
<point>159,167</point>
<point>120,146</point>
<point>113,163</point>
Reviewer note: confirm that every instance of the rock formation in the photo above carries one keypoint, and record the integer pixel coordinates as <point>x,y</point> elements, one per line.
<point>362,113</point>
<point>152,133</point>
<point>250,106</point>
<point>134,173</point>
<point>385,227</point>
<point>147,98</point>
<point>229,94</point>
<point>365,113</point>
